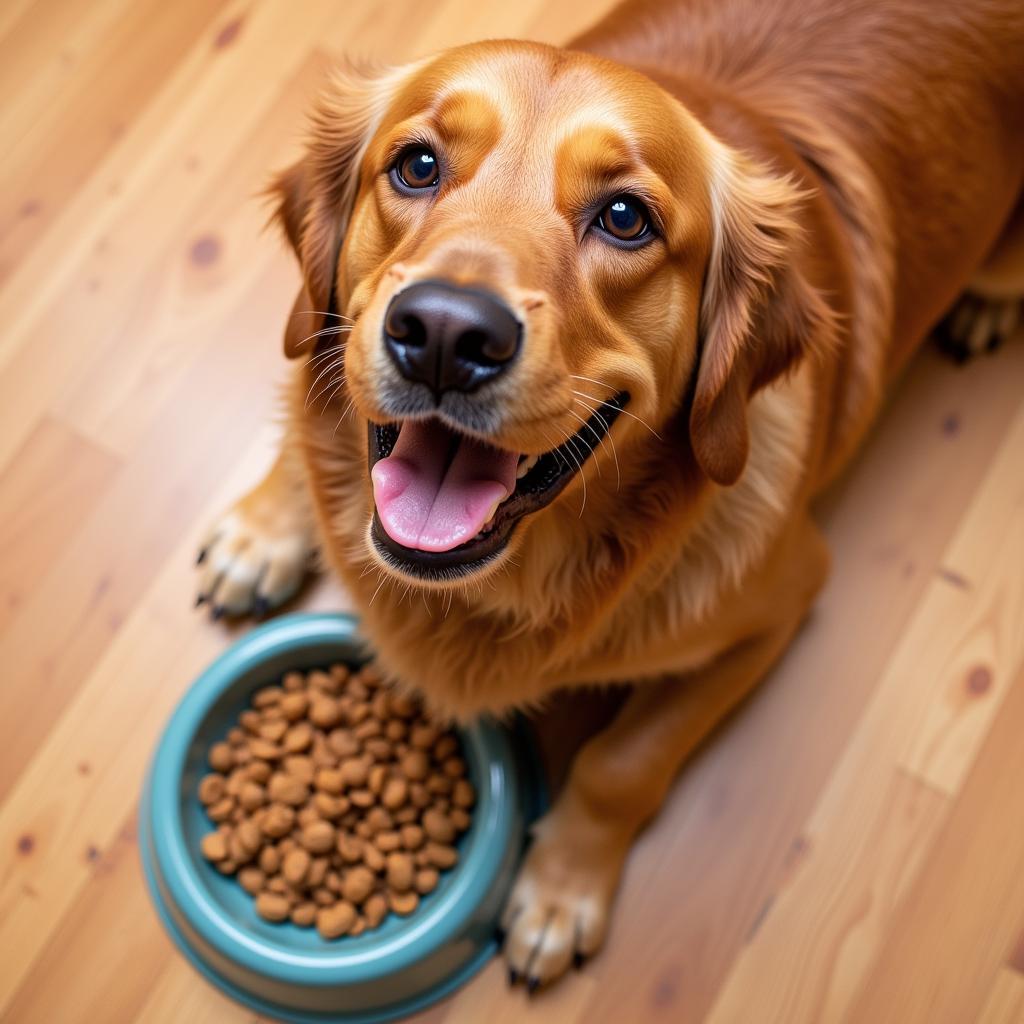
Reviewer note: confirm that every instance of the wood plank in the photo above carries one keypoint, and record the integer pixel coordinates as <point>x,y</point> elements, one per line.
<point>940,959</point>
<point>70,133</point>
<point>110,725</point>
<point>46,493</point>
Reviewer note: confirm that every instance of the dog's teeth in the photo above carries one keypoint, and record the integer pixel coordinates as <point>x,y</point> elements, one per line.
<point>526,463</point>
<point>490,515</point>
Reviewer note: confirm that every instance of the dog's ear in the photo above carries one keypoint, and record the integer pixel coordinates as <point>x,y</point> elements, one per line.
<point>758,316</point>
<point>314,197</point>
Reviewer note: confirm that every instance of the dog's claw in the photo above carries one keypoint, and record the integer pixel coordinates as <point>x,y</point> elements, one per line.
<point>260,607</point>
<point>201,557</point>
<point>200,599</point>
<point>532,984</point>
<point>217,612</point>
<point>499,937</point>
<point>513,977</point>
<point>578,960</point>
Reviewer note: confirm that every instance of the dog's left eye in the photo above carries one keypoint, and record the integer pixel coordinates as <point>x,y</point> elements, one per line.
<point>626,219</point>
<point>416,168</point>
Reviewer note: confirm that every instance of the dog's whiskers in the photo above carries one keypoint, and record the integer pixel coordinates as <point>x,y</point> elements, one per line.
<point>607,434</point>
<point>625,412</point>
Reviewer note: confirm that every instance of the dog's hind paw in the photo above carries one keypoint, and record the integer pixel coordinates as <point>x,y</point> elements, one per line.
<point>976,324</point>
<point>252,560</point>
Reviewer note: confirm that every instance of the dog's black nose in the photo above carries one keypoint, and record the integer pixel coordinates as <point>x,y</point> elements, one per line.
<point>450,338</point>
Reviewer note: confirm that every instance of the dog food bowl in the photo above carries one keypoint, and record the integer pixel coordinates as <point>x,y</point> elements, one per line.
<point>292,973</point>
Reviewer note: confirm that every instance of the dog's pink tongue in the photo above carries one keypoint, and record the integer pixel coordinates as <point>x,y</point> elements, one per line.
<point>427,503</point>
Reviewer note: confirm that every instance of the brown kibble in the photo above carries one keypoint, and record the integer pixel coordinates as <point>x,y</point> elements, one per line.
<point>324,897</point>
<point>301,767</point>
<point>272,731</point>
<point>407,815</point>
<point>373,858</point>
<point>334,921</point>
<point>317,872</point>
<point>395,793</point>
<point>221,810</point>
<point>295,866</point>
<point>368,729</point>
<point>323,711</point>
<point>354,773</point>
<point>412,836</point>
<point>340,673</point>
<point>221,757</point>
<point>442,857</point>
<point>416,766</point>
<point>277,821</point>
<point>350,848</point>
<point>287,789</point>
<point>251,721</point>
<point>463,794</point>
<point>342,743</point>
<point>388,841</point>
<point>252,796</point>
<point>272,906</point>
<point>226,867</point>
<point>236,737</point>
<point>324,682</point>
<point>399,871</point>
<point>459,818</point>
<point>378,819</point>
<point>454,767</point>
<point>269,860</point>
<point>267,696</point>
<point>445,747</point>
<point>426,880</point>
<point>258,771</point>
<point>248,834</point>
<point>242,755</point>
<point>437,826</point>
<point>402,705</point>
<point>379,749</point>
<point>363,829</point>
<point>214,846</point>
<point>419,795</point>
<point>330,807</point>
<point>375,909</point>
<point>403,903</point>
<point>358,883</point>
<point>329,780</point>
<point>293,706</point>
<point>294,681</point>
<point>304,914</point>
<point>395,730</point>
<point>423,736</point>
<point>251,879</point>
<point>333,882</point>
<point>439,784</point>
<point>318,836</point>
<point>358,928</point>
<point>357,713</point>
<point>212,789</point>
<point>361,798</point>
<point>298,738</point>
<point>375,783</point>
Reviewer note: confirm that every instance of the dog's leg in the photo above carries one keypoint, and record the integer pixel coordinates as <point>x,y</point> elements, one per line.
<point>256,555</point>
<point>993,306</point>
<point>558,912</point>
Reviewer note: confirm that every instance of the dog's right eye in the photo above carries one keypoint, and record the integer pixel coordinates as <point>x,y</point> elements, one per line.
<point>416,168</point>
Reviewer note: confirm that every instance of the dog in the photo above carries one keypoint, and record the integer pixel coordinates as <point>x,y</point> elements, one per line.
<point>581,334</point>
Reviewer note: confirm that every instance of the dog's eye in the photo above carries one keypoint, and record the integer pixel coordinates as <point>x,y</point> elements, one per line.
<point>417,168</point>
<point>626,219</point>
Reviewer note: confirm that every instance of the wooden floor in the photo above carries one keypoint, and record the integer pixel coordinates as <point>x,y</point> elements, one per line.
<point>851,847</point>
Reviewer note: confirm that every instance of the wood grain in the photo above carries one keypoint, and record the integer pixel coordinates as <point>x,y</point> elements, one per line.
<point>849,848</point>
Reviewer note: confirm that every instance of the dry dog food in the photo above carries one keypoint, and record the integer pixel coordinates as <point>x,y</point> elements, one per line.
<point>336,802</point>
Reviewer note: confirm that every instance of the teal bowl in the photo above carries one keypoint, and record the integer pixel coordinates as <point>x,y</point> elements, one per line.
<point>288,972</point>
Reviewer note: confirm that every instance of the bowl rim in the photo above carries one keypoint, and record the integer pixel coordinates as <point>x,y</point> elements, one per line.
<point>370,958</point>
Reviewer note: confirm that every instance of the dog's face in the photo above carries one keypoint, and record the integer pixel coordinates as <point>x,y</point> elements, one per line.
<point>534,250</point>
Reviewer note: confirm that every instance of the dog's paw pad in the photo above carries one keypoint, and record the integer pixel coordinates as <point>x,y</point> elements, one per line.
<point>249,564</point>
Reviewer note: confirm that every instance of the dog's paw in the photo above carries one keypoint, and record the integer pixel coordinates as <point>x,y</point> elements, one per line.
<point>977,324</point>
<point>253,559</point>
<point>557,915</point>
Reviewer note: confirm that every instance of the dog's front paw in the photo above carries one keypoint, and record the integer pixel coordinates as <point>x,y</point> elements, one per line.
<point>977,324</point>
<point>558,912</point>
<point>254,558</point>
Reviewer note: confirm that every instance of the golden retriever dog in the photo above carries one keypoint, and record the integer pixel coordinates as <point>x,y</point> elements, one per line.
<point>581,334</point>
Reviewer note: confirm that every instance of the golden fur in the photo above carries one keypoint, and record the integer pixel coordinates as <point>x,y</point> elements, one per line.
<point>822,194</point>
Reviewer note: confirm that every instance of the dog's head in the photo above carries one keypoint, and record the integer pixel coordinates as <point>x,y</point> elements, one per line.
<point>532,249</point>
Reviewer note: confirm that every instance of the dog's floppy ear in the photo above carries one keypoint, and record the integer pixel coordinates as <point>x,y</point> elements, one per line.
<point>315,196</point>
<point>758,316</point>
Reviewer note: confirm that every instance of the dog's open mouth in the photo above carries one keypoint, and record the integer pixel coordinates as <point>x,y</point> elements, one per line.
<point>446,503</point>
